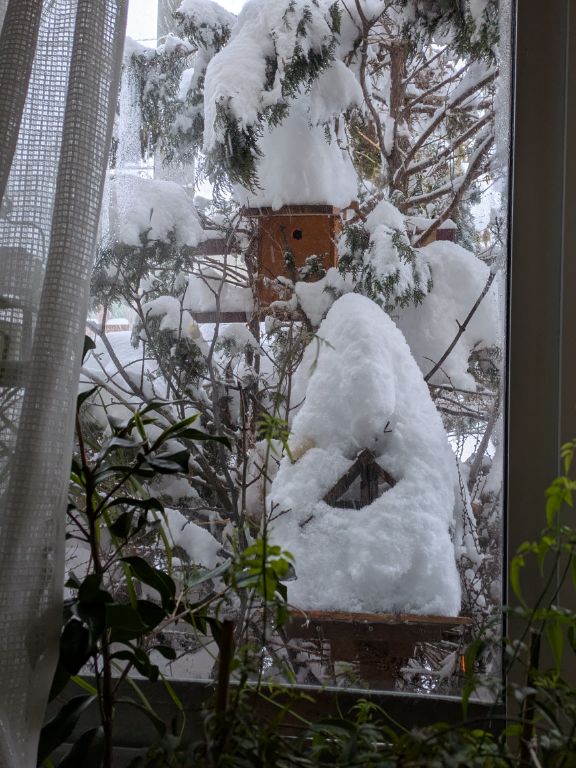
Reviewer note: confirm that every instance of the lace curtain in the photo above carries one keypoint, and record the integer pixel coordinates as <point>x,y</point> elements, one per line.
<point>59,71</point>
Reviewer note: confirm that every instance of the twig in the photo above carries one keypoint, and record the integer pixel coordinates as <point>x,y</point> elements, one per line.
<point>462,327</point>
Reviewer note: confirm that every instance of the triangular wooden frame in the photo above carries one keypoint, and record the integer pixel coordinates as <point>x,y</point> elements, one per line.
<point>370,472</point>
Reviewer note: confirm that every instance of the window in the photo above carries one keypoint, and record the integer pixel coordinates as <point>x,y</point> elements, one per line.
<point>287,237</point>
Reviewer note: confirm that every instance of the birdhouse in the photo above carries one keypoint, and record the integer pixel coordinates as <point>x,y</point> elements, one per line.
<point>418,225</point>
<point>293,242</point>
<point>447,231</point>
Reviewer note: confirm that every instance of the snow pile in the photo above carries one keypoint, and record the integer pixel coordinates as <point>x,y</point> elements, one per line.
<point>364,390</point>
<point>268,33</point>
<point>261,68</point>
<point>390,257</point>
<point>316,298</point>
<point>204,290</point>
<point>153,209</point>
<point>300,165</point>
<point>459,278</point>
<point>210,20</point>
<point>198,543</point>
<point>238,338</point>
<point>175,318</point>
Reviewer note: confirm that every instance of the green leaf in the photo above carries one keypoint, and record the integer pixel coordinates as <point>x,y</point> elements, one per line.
<point>150,613</point>
<point>515,567</point>
<point>57,730</point>
<point>89,344</point>
<point>88,751</point>
<point>139,424</point>
<point>119,443</point>
<point>146,504</point>
<point>83,396</point>
<point>154,578</point>
<point>139,658</point>
<point>72,582</point>
<point>555,637</point>
<point>196,435</point>
<point>91,592</point>
<point>169,462</point>
<point>75,646</point>
<point>203,576</point>
<point>174,430</point>
<point>166,651</point>
<point>124,621</point>
<point>121,527</point>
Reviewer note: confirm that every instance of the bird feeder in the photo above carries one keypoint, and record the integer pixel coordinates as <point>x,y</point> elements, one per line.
<point>376,646</point>
<point>287,239</point>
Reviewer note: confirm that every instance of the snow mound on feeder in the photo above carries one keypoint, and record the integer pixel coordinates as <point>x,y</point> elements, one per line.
<point>364,390</point>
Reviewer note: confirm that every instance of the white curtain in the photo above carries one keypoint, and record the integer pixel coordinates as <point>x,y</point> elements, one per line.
<point>64,57</point>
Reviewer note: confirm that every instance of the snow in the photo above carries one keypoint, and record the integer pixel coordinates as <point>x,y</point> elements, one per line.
<point>240,338</point>
<point>203,290</point>
<point>458,279</point>
<point>385,224</point>
<point>208,16</point>
<point>477,8</point>
<point>364,390</point>
<point>117,400</point>
<point>316,298</point>
<point>134,48</point>
<point>300,166</point>
<point>198,543</point>
<point>335,91</point>
<point>154,209</point>
<point>298,163</point>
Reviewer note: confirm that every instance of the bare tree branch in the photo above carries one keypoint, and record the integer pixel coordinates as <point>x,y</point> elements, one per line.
<point>471,174</point>
<point>462,327</point>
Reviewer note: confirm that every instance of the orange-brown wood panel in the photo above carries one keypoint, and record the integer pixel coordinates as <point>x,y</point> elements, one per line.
<point>301,234</point>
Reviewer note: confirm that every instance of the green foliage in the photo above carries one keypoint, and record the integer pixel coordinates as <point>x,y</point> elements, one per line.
<point>476,39</point>
<point>543,732</point>
<point>382,280</point>
<point>233,158</point>
<point>116,613</point>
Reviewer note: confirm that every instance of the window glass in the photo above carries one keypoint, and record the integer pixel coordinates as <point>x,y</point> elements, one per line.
<point>303,246</point>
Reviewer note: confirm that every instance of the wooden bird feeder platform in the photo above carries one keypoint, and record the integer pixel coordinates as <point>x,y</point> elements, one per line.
<point>379,645</point>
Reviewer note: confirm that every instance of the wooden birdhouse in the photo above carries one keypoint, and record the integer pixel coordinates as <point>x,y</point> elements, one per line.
<point>418,225</point>
<point>287,240</point>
